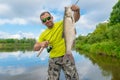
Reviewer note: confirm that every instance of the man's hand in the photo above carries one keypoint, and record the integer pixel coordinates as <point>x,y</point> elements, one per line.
<point>38,45</point>
<point>75,8</point>
<point>44,44</point>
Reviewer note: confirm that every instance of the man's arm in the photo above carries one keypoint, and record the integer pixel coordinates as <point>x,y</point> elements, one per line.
<point>76,10</point>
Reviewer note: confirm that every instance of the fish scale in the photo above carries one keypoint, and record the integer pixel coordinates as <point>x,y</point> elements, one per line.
<point>69,29</point>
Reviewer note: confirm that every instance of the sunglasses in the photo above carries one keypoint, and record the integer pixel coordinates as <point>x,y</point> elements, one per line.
<point>45,19</point>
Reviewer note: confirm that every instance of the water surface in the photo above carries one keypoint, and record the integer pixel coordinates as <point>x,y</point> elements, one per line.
<point>26,66</point>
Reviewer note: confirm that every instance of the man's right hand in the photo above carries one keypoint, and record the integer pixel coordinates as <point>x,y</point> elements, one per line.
<point>44,44</point>
<point>38,45</point>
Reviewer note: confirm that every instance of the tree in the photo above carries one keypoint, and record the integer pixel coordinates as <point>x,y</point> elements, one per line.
<point>115,14</point>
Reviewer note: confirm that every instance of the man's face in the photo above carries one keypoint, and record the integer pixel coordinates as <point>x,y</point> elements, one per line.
<point>47,20</point>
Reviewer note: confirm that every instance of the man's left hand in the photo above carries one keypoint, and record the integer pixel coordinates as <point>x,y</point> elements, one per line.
<point>75,8</point>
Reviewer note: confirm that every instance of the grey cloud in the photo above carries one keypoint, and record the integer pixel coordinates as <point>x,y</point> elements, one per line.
<point>95,10</point>
<point>26,8</point>
<point>21,8</point>
<point>30,9</point>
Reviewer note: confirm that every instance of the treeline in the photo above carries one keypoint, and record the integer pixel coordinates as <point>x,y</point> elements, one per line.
<point>16,44</point>
<point>105,39</point>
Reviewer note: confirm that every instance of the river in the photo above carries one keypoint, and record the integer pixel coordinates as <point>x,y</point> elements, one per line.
<point>25,65</point>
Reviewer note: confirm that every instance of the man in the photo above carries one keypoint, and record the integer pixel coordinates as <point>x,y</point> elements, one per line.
<point>53,37</point>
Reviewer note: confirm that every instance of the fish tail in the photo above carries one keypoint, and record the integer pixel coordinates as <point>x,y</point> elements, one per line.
<point>68,56</point>
<point>69,52</point>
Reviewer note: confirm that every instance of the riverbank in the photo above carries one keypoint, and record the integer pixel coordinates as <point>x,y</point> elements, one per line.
<point>15,44</point>
<point>107,48</point>
<point>104,40</point>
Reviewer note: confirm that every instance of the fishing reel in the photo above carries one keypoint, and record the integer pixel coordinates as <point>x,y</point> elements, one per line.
<point>49,48</point>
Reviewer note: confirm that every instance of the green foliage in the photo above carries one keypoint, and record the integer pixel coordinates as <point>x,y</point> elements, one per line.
<point>113,32</point>
<point>99,34</point>
<point>104,48</point>
<point>86,47</point>
<point>105,38</point>
<point>15,44</point>
<point>115,14</point>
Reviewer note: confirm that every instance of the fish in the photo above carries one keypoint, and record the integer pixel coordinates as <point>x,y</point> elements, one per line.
<point>69,31</point>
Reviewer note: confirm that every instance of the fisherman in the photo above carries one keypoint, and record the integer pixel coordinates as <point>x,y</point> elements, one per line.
<point>52,39</point>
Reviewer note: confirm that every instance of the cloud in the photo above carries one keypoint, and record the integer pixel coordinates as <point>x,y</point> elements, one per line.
<point>93,13</point>
<point>25,35</point>
<point>12,71</point>
<point>27,12</point>
<point>4,8</point>
<point>18,21</point>
<point>32,8</point>
<point>84,26</point>
<point>18,35</point>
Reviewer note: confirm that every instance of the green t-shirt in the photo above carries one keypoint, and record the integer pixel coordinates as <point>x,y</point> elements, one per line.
<point>55,38</point>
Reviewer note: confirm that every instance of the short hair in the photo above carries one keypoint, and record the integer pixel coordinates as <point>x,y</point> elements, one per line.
<point>44,13</point>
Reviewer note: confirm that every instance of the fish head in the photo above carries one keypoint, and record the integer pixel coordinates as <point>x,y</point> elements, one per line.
<point>68,11</point>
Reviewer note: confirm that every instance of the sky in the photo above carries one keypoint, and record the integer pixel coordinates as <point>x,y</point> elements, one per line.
<point>20,18</point>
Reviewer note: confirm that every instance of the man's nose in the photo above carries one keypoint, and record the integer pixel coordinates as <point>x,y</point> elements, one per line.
<point>47,20</point>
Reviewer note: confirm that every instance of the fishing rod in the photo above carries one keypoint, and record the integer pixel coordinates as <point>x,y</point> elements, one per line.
<point>76,2</point>
<point>49,47</point>
<point>41,49</point>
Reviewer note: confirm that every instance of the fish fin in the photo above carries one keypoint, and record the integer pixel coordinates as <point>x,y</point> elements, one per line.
<point>75,31</point>
<point>73,45</point>
<point>73,21</point>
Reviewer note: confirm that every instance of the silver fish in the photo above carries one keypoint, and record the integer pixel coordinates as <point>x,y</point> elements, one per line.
<point>69,29</point>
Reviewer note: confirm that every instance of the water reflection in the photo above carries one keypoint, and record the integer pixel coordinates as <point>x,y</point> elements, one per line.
<point>26,66</point>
